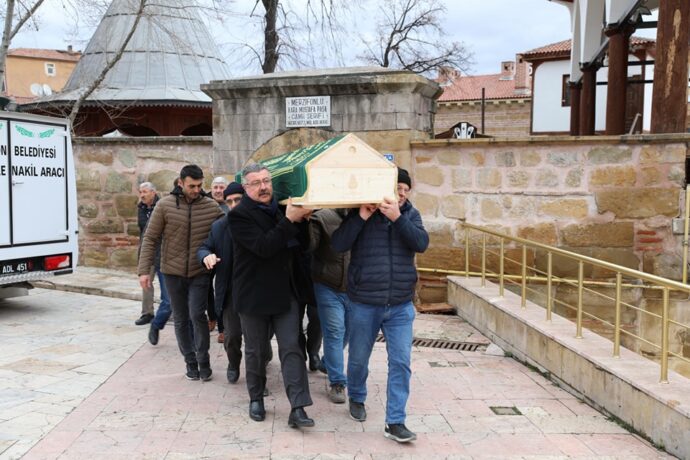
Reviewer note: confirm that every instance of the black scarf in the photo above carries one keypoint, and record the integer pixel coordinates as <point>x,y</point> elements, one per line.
<point>272,210</point>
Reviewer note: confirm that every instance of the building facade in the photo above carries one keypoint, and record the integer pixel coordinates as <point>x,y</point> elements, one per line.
<point>32,73</point>
<point>551,98</point>
<point>505,110</point>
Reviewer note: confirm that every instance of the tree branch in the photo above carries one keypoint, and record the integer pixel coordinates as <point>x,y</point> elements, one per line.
<point>96,83</point>
<point>5,44</point>
<point>25,17</point>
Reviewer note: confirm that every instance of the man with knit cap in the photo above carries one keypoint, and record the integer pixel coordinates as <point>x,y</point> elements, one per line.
<point>382,240</point>
<point>216,253</point>
<point>182,220</point>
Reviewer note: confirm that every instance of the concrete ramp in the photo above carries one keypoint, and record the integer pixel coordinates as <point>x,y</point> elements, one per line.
<point>627,387</point>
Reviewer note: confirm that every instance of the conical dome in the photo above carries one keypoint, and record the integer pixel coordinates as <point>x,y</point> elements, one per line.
<point>169,56</point>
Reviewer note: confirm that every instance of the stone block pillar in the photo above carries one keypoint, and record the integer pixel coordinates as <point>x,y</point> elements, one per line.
<point>387,108</point>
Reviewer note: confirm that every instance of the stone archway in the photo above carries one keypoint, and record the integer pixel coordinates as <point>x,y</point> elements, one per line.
<point>288,141</point>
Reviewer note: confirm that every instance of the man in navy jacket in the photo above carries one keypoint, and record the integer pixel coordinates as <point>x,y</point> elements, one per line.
<point>382,240</point>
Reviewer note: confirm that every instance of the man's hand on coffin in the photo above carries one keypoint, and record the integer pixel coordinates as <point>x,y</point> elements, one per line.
<point>390,208</point>
<point>296,213</point>
<point>210,261</point>
<point>367,210</point>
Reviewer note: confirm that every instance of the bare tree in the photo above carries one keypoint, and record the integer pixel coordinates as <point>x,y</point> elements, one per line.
<point>290,31</point>
<point>17,13</point>
<point>409,36</point>
<point>109,65</point>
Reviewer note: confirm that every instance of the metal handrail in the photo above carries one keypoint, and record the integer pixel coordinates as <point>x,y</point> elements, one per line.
<point>674,285</point>
<point>649,281</point>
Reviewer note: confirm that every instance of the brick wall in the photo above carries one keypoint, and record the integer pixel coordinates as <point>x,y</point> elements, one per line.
<point>502,118</point>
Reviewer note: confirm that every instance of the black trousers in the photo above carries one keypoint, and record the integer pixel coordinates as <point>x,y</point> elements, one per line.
<point>211,306</point>
<point>233,335</point>
<point>257,330</point>
<point>311,343</point>
<point>188,297</point>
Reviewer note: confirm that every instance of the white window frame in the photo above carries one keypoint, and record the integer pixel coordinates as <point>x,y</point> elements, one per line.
<point>50,69</point>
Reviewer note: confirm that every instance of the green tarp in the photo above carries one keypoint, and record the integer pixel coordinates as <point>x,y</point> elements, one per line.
<point>289,171</point>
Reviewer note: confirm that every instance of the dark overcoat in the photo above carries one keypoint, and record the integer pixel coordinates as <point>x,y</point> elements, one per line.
<point>264,278</point>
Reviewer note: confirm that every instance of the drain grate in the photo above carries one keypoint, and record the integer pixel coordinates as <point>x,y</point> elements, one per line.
<point>502,410</point>
<point>439,343</point>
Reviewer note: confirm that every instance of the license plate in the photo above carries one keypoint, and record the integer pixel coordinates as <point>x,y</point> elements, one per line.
<point>14,267</point>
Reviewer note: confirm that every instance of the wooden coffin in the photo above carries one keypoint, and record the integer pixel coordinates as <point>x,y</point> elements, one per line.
<point>338,173</point>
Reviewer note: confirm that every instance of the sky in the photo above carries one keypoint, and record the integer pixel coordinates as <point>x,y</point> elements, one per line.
<point>493,30</point>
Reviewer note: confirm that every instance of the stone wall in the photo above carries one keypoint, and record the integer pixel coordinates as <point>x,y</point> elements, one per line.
<point>611,198</point>
<point>502,118</point>
<point>109,172</point>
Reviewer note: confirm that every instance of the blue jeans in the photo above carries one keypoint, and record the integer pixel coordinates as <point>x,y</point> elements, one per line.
<point>364,322</point>
<point>164,310</point>
<point>333,307</point>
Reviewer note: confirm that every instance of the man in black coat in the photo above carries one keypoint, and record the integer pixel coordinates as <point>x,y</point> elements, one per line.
<point>265,289</point>
<point>216,253</point>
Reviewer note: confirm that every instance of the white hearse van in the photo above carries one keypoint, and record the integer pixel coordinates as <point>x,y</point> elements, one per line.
<point>38,201</point>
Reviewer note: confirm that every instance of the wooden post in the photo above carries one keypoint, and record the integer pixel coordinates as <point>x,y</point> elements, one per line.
<point>588,100</point>
<point>575,94</point>
<point>619,43</point>
<point>670,94</point>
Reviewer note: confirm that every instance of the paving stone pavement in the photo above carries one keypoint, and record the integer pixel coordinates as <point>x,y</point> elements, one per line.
<point>78,380</point>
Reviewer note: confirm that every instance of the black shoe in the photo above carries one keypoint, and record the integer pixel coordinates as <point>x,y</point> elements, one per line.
<point>143,319</point>
<point>298,418</point>
<point>192,371</point>
<point>357,411</point>
<point>153,335</point>
<point>266,392</point>
<point>399,432</point>
<point>205,372</point>
<point>257,411</point>
<point>233,374</point>
<point>314,363</point>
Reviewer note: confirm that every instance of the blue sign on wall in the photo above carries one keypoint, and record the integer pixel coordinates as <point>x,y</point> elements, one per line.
<point>389,156</point>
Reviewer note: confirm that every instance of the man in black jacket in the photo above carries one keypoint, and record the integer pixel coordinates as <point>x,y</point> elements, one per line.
<point>265,289</point>
<point>382,240</point>
<point>216,253</point>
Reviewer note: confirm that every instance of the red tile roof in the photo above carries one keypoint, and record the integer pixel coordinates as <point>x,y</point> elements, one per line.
<point>562,48</point>
<point>467,88</point>
<point>53,55</point>
<point>553,49</point>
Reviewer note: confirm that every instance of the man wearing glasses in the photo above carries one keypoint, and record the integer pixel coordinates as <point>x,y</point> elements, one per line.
<point>265,289</point>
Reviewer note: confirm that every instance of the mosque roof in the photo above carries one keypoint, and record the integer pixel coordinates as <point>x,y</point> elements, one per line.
<point>169,56</point>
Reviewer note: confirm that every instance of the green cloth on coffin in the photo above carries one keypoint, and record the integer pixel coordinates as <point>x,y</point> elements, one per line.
<point>289,171</point>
